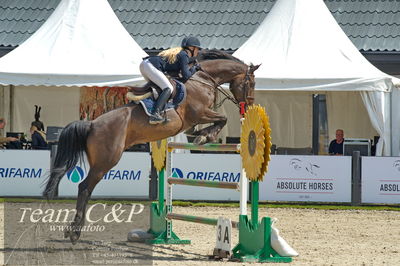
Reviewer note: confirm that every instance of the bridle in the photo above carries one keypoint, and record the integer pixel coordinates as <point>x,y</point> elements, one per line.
<point>244,85</point>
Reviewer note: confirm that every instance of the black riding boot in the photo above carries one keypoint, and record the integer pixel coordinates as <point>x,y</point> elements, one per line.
<point>156,117</point>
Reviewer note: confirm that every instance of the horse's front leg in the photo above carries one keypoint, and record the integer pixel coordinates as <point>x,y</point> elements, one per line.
<point>209,134</point>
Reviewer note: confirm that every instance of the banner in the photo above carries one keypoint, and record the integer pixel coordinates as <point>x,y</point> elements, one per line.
<point>210,167</point>
<point>129,178</point>
<point>95,101</point>
<point>380,179</point>
<point>23,172</point>
<point>307,178</point>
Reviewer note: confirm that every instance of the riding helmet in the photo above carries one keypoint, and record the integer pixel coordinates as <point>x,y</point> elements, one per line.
<point>183,44</point>
<point>191,41</point>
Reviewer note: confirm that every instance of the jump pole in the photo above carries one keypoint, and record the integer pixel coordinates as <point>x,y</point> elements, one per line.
<point>254,236</point>
<point>196,219</point>
<point>162,214</point>
<point>160,226</point>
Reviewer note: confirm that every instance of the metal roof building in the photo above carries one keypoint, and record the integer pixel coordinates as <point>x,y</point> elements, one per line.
<point>372,25</point>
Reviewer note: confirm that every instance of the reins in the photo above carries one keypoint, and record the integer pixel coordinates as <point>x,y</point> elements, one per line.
<point>217,87</point>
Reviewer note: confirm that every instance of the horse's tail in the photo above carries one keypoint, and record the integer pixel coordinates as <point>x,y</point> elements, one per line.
<point>71,148</point>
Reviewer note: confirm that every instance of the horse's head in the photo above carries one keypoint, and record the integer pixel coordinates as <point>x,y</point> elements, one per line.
<point>242,86</point>
<point>225,68</point>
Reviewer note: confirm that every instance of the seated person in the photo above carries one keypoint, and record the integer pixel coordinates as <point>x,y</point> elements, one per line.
<point>5,140</point>
<point>38,139</point>
<point>336,145</point>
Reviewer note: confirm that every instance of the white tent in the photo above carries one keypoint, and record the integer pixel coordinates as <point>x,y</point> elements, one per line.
<point>302,48</point>
<point>82,43</point>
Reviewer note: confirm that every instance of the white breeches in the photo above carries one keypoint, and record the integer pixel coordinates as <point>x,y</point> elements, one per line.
<point>150,73</point>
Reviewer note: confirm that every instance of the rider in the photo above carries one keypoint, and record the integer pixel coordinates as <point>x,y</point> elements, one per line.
<point>172,61</point>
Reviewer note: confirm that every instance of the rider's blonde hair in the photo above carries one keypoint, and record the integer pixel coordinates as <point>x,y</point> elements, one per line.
<point>170,54</point>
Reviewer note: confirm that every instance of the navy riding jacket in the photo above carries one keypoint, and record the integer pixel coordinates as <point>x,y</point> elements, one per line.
<point>180,66</point>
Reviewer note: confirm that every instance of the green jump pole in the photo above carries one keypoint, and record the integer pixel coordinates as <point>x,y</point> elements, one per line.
<point>203,183</point>
<point>196,219</point>
<point>204,147</point>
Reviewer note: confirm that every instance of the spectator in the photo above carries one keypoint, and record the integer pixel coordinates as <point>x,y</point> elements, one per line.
<point>38,139</point>
<point>37,122</point>
<point>5,140</point>
<point>336,145</point>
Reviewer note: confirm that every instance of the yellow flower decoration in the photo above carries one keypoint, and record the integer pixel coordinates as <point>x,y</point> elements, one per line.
<point>252,140</point>
<point>159,153</point>
<point>268,142</point>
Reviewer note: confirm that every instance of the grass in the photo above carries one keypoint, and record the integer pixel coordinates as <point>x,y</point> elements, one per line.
<point>295,205</point>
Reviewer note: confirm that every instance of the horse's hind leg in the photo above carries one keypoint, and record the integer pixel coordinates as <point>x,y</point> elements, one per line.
<point>104,148</point>
<point>209,134</point>
<point>191,131</point>
<point>85,191</point>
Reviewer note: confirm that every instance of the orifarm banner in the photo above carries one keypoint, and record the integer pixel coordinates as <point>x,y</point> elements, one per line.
<point>129,178</point>
<point>23,172</point>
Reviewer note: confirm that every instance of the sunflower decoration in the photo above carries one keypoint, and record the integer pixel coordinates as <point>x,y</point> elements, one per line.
<point>159,153</point>
<point>253,142</point>
<point>267,141</point>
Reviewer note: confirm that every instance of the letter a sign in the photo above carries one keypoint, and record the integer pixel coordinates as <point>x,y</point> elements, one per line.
<point>224,234</point>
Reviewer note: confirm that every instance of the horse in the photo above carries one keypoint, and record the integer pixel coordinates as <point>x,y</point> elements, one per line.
<point>105,138</point>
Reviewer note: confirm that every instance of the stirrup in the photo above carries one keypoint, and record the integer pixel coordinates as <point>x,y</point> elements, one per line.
<point>156,119</point>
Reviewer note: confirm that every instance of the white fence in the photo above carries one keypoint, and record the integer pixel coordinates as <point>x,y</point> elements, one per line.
<point>289,178</point>
<point>380,182</point>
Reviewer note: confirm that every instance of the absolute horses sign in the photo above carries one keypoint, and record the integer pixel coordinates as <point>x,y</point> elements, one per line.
<point>308,178</point>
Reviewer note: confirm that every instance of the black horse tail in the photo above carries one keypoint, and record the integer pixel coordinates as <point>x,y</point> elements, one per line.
<point>71,148</point>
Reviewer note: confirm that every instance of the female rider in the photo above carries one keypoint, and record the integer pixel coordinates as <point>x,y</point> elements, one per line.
<point>172,61</point>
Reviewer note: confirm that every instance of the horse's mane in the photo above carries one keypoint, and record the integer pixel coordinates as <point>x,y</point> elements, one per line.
<point>216,54</point>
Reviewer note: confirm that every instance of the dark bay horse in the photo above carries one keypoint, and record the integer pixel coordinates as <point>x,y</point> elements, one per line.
<point>105,138</point>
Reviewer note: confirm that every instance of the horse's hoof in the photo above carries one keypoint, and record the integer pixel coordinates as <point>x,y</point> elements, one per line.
<point>74,236</point>
<point>200,140</point>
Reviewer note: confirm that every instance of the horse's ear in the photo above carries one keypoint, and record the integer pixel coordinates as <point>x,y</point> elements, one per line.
<point>254,68</point>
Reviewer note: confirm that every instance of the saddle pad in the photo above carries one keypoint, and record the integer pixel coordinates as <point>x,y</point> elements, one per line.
<point>148,103</point>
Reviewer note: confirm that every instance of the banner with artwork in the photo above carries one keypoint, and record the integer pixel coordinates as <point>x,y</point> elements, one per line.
<point>95,101</point>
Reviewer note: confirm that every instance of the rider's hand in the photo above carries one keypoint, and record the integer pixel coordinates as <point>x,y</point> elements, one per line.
<point>197,67</point>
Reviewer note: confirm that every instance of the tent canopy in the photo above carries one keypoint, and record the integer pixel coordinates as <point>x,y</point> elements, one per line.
<point>81,44</point>
<point>301,47</point>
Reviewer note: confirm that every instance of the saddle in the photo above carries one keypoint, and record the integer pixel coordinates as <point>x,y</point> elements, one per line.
<point>147,90</point>
<point>148,94</point>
